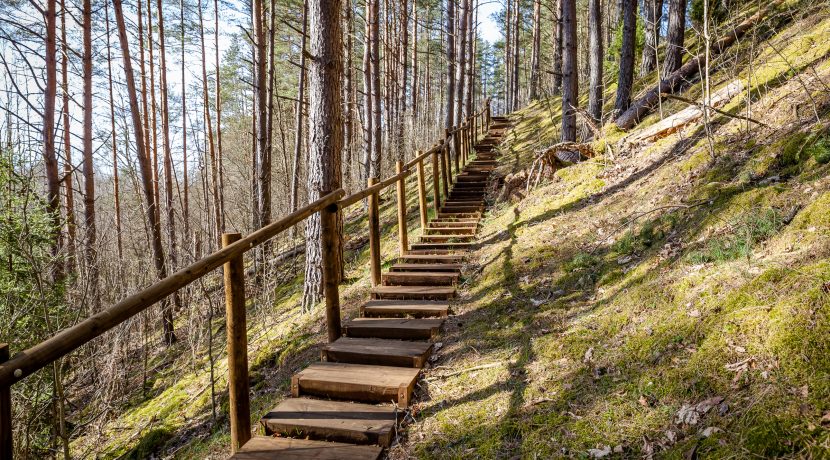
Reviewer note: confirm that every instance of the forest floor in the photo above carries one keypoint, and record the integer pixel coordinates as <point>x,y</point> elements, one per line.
<point>665,298</point>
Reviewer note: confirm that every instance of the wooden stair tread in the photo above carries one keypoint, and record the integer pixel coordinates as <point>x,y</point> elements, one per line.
<point>266,448</point>
<point>381,352</point>
<point>435,267</point>
<point>414,292</point>
<point>418,278</point>
<point>332,421</point>
<point>388,328</point>
<point>432,258</point>
<point>397,308</point>
<point>358,382</point>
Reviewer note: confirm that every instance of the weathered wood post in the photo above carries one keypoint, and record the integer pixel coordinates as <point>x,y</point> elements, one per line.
<point>459,147</point>
<point>445,169</point>
<point>403,240</point>
<point>488,115</point>
<point>422,193</point>
<point>237,330</point>
<point>374,234</point>
<point>436,188</point>
<point>6,439</point>
<point>331,269</point>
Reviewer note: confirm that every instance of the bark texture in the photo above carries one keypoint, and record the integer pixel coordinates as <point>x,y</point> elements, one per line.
<point>595,57</point>
<point>674,37</point>
<point>570,81</point>
<point>625,78</point>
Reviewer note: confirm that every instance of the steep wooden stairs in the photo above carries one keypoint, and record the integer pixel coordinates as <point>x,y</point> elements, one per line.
<point>349,405</point>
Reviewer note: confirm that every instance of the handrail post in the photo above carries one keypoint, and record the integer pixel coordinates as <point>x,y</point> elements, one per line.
<point>6,435</point>
<point>459,148</point>
<point>436,187</point>
<point>374,234</point>
<point>445,166</point>
<point>329,231</point>
<point>422,193</point>
<point>237,330</point>
<point>403,241</point>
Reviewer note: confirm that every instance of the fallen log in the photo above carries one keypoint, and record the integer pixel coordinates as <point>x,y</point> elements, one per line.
<point>676,122</point>
<point>689,70</point>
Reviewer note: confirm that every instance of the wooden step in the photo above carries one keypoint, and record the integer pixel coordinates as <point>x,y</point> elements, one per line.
<point>419,278</point>
<point>446,238</point>
<point>265,448</point>
<point>439,267</point>
<point>458,231</point>
<point>413,292</point>
<point>380,352</point>
<point>460,209</point>
<point>459,215</point>
<point>393,328</point>
<point>332,421</point>
<point>432,251</point>
<point>403,308</point>
<point>358,382</point>
<point>447,222</point>
<point>414,258</point>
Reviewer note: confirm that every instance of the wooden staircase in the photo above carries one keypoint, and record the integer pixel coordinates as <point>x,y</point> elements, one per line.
<point>348,406</point>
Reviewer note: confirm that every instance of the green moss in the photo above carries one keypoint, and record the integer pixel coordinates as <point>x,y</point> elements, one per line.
<point>819,150</point>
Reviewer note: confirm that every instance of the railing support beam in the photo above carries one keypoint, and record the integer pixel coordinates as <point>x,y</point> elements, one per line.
<point>374,234</point>
<point>422,194</point>
<point>436,187</point>
<point>403,240</point>
<point>237,329</point>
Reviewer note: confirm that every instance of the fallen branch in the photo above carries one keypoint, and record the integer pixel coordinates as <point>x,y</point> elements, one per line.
<point>722,112</point>
<point>675,81</point>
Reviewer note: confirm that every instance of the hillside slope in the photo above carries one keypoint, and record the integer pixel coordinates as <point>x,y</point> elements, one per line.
<point>665,298</point>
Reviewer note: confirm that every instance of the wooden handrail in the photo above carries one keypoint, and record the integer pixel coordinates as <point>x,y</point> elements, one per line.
<point>67,340</point>
<point>357,196</point>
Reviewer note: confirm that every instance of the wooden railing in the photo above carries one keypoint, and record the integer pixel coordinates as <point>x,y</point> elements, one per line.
<point>234,246</point>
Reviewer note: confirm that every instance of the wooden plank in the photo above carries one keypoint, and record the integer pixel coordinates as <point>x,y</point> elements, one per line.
<point>409,267</point>
<point>403,308</point>
<point>332,421</point>
<point>431,258</point>
<point>452,246</point>
<point>413,292</point>
<point>419,278</point>
<point>457,231</point>
<point>399,328</point>
<point>379,352</point>
<point>358,382</point>
<point>446,238</point>
<point>265,448</point>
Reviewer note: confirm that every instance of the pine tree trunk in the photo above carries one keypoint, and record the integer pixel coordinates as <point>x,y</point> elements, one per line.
<point>469,93</point>
<point>556,62</point>
<point>652,15</point>
<point>534,58</point>
<point>298,117</point>
<point>218,224</point>
<point>515,74</point>
<point>50,160</point>
<point>449,119</point>
<point>185,179</point>
<point>262,213</point>
<point>596,57</point>
<point>218,100</point>
<point>626,75</point>
<point>674,36</point>
<point>90,255</point>
<point>326,125</point>
<point>460,62</point>
<point>570,81</point>
<point>168,155</point>
<point>115,172</point>
<point>146,173</point>
<point>69,190</point>
<point>368,120</point>
<point>348,94</point>
<point>375,167</point>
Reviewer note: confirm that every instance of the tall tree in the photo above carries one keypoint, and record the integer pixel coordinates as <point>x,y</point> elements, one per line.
<point>376,91</point>
<point>50,159</point>
<point>215,188</point>
<point>595,57</point>
<point>449,118</point>
<point>517,33</point>
<point>556,36</point>
<point>299,116</point>
<point>674,36</point>
<point>90,255</point>
<point>262,199</point>
<point>534,57</point>
<point>168,155</point>
<point>652,16</point>
<point>368,119</point>
<point>626,73</point>
<point>460,60</point>
<point>326,128</point>
<point>116,186</point>
<point>145,167</point>
<point>570,80</point>
<point>69,189</point>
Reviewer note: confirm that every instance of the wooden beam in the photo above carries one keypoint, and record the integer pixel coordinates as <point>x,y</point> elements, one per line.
<point>374,234</point>
<point>403,241</point>
<point>422,195</point>
<point>237,328</point>
<point>331,270</point>
<point>6,437</point>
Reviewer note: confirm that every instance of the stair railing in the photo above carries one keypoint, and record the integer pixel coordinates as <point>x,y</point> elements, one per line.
<point>230,257</point>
